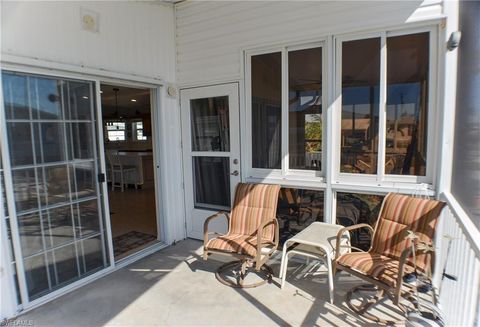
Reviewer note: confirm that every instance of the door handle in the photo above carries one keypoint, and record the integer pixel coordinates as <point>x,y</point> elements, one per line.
<point>235,173</point>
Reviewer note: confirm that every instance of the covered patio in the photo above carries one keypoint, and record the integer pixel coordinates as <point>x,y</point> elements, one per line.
<point>175,287</point>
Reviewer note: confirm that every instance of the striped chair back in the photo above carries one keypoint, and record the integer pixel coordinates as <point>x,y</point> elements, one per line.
<point>254,204</point>
<point>399,214</point>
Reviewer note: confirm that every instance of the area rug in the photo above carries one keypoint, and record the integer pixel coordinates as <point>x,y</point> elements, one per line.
<point>129,241</point>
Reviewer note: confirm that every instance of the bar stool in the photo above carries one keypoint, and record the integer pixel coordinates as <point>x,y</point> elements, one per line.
<point>117,168</point>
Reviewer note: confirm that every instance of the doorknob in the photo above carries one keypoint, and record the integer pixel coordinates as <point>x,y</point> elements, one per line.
<point>235,173</point>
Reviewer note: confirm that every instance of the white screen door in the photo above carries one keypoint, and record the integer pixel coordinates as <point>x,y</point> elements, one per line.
<point>211,153</point>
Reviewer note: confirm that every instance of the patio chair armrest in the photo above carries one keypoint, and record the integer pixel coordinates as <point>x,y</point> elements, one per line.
<point>207,221</point>
<point>259,233</point>
<point>348,229</point>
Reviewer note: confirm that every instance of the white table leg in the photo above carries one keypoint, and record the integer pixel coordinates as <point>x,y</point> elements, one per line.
<point>330,278</point>
<point>284,270</point>
<point>284,251</point>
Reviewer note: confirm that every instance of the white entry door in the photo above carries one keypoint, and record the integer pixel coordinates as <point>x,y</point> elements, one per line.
<point>211,153</point>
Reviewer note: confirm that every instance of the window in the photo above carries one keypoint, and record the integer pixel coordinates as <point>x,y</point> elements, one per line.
<point>390,139</point>
<point>360,98</point>
<point>355,208</point>
<point>286,110</point>
<point>266,72</point>
<point>138,131</point>
<point>407,103</point>
<point>116,131</point>
<point>305,109</point>
<point>298,208</point>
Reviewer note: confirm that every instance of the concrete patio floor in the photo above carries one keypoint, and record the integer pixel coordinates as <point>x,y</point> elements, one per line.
<point>176,287</point>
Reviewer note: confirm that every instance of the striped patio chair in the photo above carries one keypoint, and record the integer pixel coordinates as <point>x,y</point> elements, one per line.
<point>252,235</point>
<point>389,258</point>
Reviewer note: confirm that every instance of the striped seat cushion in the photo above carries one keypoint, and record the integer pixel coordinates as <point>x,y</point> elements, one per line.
<point>253,205</point>
<point>376,266</point>
<point>238,244</point>
<point>399,214</point>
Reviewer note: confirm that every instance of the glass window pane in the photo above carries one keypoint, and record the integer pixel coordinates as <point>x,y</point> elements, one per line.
<point>55,189</point>
<point>92,255</point>
<point>80,141</point>
<point>266,100</point>
<point>305,109</point>
<point>211,182</point>
<point>355,208</point>
<point>36,276</point>
<point>66,264</point>
<point>25,188</point>
<point>407,104</point>
<point>45,97</point>
<point>30,231</point>
<point>15,96</point>
<point>82,178</point>
<point>210,124</point>
<point>79,100</point>
<point>298,208</point>
<point>58,228</point>
<point>20,143</point>
<point>360,110</point>
<point>87,214</point>
<point>50,138</point>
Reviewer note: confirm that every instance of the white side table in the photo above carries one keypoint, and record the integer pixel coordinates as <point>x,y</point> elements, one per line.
<point>317,241</point>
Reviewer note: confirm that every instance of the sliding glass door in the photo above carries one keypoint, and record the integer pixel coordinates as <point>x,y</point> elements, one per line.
<point>53,163</point>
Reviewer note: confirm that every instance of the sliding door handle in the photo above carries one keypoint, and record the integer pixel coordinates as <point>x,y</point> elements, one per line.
<point>235,173</point>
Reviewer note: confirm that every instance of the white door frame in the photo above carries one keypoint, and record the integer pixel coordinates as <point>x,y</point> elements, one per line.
<point>193,214</point>
<point>96,77</point>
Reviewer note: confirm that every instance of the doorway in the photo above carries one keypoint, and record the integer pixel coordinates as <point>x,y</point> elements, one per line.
<point>211,153</point>
<point>129,155</point>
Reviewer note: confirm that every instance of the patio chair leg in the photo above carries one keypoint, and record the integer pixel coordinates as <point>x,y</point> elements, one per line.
<point>241,270</point>
<point>362,309</point>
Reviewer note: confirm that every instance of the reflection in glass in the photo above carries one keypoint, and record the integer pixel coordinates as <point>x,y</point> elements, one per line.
<point>66,264</point>
<point>92,255</point>
<point>20,143</point>
<point>82,176</point>
<point>45,97</point>
<point>36,276</point>
<point>15,96</point>
<point>211,182</point>
<point>407,104</point>
<point>305,109</point>
<point>298,208</point>
<point>360,106</point>
<point>266,110</point>
<point>55,188</point>
<point>79,100</point>
<point>30,230</point>
<point>355,208</point>
<point>80,141</point>
<point>87,217</point>
<point>25,188</point>
<point>210,124</point>
<point>50,140</point>
<point>58,229</point>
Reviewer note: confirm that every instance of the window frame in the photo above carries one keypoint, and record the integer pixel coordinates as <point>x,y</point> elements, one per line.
<point>300,175</point>
<point>382,179</point>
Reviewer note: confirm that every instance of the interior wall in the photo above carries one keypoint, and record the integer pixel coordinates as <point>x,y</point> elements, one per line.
<point>211,36</point>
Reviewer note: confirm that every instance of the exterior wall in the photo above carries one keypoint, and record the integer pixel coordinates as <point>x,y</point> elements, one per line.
<point>211,35</point>
<point>135,39</point>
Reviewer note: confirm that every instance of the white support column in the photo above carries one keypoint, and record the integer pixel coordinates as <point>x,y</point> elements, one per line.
<point>447,98</point>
